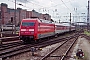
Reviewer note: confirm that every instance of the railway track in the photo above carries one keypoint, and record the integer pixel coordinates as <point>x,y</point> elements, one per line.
<point>5,39</point>
<point>18,49</point>
<point>86,36</point>
<point>60,52</point>
<point>10,45</point>
<point>22,48</point>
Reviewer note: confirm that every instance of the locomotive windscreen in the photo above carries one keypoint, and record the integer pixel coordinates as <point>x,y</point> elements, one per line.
<point>28,23</point>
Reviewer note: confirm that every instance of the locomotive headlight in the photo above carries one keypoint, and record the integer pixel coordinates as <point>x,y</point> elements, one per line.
<point>31,29</point>
<point>23,29</point>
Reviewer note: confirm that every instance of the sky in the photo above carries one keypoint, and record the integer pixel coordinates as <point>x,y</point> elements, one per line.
<point>58,9</point>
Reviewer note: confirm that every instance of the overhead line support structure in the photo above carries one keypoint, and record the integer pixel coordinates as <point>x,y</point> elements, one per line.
<point>15,19</point>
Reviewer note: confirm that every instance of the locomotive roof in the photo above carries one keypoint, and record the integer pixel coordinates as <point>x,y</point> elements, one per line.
<point>64,24</point>
<point>39,20</point>
<point>47,21</point>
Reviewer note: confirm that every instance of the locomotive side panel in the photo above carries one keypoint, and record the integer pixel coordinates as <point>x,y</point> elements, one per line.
<point>45,30</point>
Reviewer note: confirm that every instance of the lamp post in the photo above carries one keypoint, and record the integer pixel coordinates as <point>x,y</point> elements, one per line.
<point>70,22</point>
<point>88,16</point>
<point>15,18</point>
<point>1,22</point>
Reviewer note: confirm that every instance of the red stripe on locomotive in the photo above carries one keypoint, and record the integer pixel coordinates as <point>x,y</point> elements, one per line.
<point>45,28</point>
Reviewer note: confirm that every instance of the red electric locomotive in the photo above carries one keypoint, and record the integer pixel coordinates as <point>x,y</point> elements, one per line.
<point>32,29</point>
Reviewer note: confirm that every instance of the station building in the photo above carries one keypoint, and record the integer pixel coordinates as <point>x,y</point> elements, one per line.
<point>7,15</point>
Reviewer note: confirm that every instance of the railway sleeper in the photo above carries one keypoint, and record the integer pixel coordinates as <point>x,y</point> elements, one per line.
<point>63,55</point>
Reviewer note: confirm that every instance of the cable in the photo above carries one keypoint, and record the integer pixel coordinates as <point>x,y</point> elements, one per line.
<point>19,4</point>
<point>66,5</point>
<point>55,5</point>
<point>34,3</point>
<point>75,9</point>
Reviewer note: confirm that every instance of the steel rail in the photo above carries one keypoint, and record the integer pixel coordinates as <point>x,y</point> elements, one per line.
<point>4,39</point>
<point>8,37</point>
<point>8,46</point>
<point>54,50</point>
<point>68,49</point>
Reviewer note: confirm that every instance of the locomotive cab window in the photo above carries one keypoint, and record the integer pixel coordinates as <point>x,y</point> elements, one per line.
<point>28,23</point>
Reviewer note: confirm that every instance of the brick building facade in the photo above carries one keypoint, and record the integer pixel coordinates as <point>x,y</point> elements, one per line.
<point>7,15</point>
<point>0,14</point>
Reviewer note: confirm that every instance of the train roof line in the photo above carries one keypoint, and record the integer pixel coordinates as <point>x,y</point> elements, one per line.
<point>39,20</point>
<point>47,21</point>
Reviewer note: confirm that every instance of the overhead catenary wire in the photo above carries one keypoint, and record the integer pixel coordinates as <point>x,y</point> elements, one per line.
<point>35,4</point>
<point>24,5</point>
<point>66,5</point>
<point>39,5</point>
<point>18,4</point>
<point>46,8</point>
<point>56,5</point>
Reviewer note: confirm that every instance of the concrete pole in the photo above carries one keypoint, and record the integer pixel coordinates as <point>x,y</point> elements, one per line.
<point>70,21</point>
<point>15,18</point>
<point>88,16</point>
